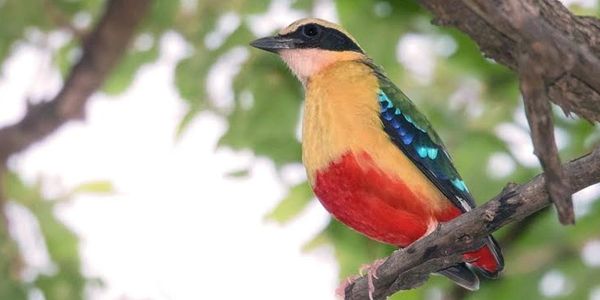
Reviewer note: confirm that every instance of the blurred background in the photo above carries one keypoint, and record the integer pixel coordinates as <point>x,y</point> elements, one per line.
<point>184,180</point>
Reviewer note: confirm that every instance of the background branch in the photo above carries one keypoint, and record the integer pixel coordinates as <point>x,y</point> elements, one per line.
<point>410,267</point>
<point>101,51</point>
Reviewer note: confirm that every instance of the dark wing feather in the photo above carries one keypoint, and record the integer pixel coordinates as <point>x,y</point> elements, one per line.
<point>412,133</point>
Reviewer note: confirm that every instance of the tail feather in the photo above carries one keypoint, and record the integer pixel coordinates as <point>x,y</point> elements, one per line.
<point>462,275</point>
<point>488,260</point>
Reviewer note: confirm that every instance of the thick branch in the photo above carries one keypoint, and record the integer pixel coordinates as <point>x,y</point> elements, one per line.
<point>504,29</point>
<point>410,267</point>
<point>539,116</point>
<point>541,41</point>
<point>101,51</point>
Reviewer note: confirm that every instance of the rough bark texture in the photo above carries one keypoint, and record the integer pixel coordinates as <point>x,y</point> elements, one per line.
<point>556,57</point>
<point>493,25</point>
<point>539,117</point>
<point>410,267</point>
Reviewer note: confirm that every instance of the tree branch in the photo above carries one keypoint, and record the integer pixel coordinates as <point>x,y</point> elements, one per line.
<point>410,267</point>
<point>554,54</point>
<point>539,117</point>
<point>101,52</point>
<point>503,29</point>
<point>545,55</point>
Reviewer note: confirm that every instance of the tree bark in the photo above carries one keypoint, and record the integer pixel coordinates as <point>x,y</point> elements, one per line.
<point>502,29</point>
<point>555,55</point>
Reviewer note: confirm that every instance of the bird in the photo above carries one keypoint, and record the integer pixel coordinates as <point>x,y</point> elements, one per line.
<point>372,158</point>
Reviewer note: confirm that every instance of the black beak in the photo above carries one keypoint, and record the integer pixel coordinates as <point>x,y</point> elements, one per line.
<point>276,43</point>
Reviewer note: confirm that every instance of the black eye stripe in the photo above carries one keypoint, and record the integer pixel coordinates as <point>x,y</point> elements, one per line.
<point>316,36</point>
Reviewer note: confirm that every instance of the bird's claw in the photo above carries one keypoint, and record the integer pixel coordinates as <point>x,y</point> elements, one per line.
<point>371,273</point>
<point>371,270</point>
<point>340,291</point>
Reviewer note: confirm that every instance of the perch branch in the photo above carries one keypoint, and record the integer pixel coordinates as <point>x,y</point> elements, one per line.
<point>410,267</point>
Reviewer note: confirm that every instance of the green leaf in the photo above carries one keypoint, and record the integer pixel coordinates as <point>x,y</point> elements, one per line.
<point>316,242</point>
<point>101,187</point>
<point>162,15</point>
<point>268,126</point>
<point>187,119</point>
<point>124,73</point>
<point>67,282</point>
<point>352,250</point>
<point>18,17</point>
<point>294,202</point>
<point>189,78</point>
<point>241,173</point>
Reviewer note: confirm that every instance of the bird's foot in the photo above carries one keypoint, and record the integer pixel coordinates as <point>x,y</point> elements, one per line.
<point>340,291</point>
<point>372,273</point>
<point>371,270</point>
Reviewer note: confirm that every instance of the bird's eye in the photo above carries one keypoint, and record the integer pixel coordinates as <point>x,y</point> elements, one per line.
<point>311,30</point>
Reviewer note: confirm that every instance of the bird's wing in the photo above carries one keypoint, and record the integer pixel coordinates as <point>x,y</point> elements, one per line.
<point>410,131</point>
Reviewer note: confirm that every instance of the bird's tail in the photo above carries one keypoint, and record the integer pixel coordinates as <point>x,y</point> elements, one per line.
<point>488,259</point>
<point>462,275</point>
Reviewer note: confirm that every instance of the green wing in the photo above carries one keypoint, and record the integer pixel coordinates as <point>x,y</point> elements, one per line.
<point>413,135</point>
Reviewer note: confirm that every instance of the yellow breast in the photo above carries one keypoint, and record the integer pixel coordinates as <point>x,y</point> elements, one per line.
<point>341,114</point>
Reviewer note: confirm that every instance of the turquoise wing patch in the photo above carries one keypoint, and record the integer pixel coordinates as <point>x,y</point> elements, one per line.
<point>411,133</point>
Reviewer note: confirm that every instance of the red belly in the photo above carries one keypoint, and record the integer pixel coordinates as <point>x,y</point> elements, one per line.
<point>381,207</point>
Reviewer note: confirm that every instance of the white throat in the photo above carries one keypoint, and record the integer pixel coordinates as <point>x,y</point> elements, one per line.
<point>306,62</point>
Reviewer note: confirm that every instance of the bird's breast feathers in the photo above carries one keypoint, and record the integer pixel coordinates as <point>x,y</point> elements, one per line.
<point>341,118</point>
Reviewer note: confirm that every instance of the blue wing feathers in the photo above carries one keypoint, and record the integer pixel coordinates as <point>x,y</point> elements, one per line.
<point>416,142</point>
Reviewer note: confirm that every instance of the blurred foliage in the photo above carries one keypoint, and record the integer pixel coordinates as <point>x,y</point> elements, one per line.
<point>294,202</point>
<point>467,98</point>
<point>65,279</point>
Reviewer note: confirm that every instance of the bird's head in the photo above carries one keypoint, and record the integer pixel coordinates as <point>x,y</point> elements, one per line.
<point>309,45</point>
